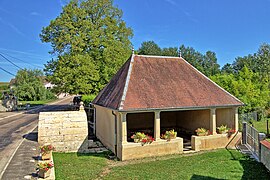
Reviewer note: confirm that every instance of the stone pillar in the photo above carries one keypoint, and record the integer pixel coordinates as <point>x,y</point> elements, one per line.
<point>157,126</point>
<point>124,127</point>
<point>213,121</point>
<point>235,111</point>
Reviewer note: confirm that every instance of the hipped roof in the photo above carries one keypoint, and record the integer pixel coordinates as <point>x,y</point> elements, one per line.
<point>159,82</point>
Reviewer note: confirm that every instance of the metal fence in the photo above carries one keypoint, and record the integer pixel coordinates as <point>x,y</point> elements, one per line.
<point>251,138</point>
<point>248,116</point>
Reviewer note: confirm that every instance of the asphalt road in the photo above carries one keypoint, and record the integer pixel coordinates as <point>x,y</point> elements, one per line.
<point>14,127</point>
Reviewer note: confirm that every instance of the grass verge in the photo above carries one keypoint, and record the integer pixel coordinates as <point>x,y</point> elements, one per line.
<point>219,164</point>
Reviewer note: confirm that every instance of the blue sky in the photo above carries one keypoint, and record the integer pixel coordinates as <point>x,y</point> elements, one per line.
<point>228,27</point>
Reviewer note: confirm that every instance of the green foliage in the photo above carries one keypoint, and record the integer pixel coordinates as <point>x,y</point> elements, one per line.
<point>4,86</point>
<point>29,86</point>
<point>150,48</point>
<point>246,86</point>
<point>88,98</point>
<point>91,42</point>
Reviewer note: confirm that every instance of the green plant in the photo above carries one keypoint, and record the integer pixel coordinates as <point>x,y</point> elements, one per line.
<point>88,98</point>
<point>222,129</point>
<point>169,135</point>
<point>45,149</point>
<point>143,138</point>
<point>45,165</point>
<point>202,131</point>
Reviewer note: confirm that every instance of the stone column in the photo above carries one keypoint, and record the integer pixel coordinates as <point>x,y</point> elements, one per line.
<point>213,121</point>
<point>124,127</point>
<point>235,111</point>
<point>157,126</point>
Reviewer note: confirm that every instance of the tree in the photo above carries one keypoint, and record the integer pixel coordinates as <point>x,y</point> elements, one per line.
<point>150,48</point>
<point>210,65</point>
<point>227,69</point>
<point>29,85</point>
<point>171,51</point>
<point>91,42</point>
<point>193,57</point>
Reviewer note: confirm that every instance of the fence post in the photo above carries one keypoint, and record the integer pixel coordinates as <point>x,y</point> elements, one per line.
<point>261,136</point>
<point>244,133</point>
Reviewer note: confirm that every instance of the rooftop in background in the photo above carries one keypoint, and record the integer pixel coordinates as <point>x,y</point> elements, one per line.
<point>159,82</point>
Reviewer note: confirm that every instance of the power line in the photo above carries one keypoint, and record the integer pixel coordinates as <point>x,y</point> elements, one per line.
<point>23,61</point>
<point>10,61</point>
<point>7,71</point>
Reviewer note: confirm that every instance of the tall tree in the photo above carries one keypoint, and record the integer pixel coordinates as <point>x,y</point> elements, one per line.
<point>227,69</point>
<point>170,51</point>
<point>210,65</point>
<point>91,42</point>
<point>193,57</point>
<point>29,85</point>
<point>150,48</point>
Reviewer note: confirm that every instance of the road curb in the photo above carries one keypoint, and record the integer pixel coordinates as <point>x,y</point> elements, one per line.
<point>16,149</point>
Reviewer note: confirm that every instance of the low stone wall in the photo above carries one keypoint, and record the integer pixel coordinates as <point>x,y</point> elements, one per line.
<point>265,153</point>
<point>214,141</point>
<point>67,131</point>
<point>157,148</point>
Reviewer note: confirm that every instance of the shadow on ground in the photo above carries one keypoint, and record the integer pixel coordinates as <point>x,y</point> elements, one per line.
<point>252,168</point>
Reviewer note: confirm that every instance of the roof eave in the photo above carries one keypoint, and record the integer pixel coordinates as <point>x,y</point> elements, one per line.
<point>180,108</point>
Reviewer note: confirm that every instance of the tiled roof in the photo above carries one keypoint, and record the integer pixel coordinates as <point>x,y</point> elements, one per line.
<point>153,82</point>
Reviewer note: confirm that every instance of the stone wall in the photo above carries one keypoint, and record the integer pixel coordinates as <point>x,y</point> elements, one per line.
<point>67,131</point>
<point>215,141</point>
<point>157,148</point>
<point>265,153</point>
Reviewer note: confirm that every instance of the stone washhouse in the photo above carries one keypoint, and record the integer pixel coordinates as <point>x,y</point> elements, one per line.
<point>153,94</point>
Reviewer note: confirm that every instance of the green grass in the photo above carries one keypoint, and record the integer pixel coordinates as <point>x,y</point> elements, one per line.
<point>261,126</point>
<point>220,164</point>
<point>72,166</point>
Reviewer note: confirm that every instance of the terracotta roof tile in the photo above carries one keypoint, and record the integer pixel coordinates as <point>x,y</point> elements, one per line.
<point>162,83</point>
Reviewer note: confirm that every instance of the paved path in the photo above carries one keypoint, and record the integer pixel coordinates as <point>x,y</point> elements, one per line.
<point>12,133</point>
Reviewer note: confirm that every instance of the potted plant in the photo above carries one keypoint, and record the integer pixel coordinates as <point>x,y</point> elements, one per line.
<point>147,140</point>
<point>46,151</point>
<point>44,169</point>
<point>222,129</point>
<point>138,136</point>
<point>169,135</point>
<point>202,132</point>
<point>231,132</point>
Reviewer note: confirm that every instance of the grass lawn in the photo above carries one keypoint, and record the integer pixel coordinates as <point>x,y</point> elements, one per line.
<point>219,164</point>
<point>261,126</point>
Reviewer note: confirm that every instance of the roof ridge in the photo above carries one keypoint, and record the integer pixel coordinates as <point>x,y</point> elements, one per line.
<point>212,81</point>
<point>121,105</point>
<point>155,56</point>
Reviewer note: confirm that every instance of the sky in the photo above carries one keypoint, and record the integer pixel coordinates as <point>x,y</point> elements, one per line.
<point>230,28</point>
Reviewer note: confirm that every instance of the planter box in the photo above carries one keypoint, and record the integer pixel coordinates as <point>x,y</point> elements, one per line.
<point>46,156</point>
<point>44,174</point>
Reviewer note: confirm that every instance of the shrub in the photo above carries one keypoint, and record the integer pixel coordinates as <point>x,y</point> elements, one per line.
<point>87,99</point>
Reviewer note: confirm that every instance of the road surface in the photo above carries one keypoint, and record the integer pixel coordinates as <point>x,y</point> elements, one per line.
<point>14,126</point>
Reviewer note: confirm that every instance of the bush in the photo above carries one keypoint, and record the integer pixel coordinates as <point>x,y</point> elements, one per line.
<point>88,98</point>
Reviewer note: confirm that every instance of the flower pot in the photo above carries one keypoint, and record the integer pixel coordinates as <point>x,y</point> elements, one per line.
<point>46,156</point>
<point>43,173</point>
<point>201,134</point>
<point>136,140</point>
<point>222,132</point>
